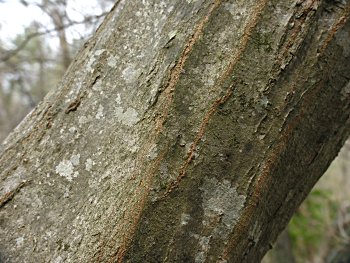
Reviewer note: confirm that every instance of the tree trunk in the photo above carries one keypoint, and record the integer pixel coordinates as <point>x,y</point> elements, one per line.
<point>184,131</point>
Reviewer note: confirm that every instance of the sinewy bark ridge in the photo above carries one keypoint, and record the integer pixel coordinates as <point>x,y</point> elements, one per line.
<point>184,131</point>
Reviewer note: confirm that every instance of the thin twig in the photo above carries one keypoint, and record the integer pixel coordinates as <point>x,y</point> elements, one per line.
<point>11,53</point>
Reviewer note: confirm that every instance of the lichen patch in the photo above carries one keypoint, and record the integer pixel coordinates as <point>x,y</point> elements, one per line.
<point>88,164</point>
<point>185,218</point>
<point>118,100</point>
<point>97,86</point>
<point>99,114</point>
<point>204,246</point>
<point>222,206</point>
<point>153,152</point>
<point>128,117</point>
<point>75,158</point>
<point>130,74</point>
<point>19,241</point>
<point>112,62</point>
<point>66,169</point>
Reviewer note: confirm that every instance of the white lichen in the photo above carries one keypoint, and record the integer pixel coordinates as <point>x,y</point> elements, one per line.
<point>97,86</point>
<point>185,218</point>
<point>99,114</point>
<point>75,159</point>
<point>118,100</point>
<point>92,59</point>
<point>200,257</point>
<point>58,259</point>
<point>90,63</point>
<point>236,9</point>
<point>132,143</point>
<point>99,52</point>
<point>112,62</point>
<point>19,241</point>
<point>66,193</point>
<point>66,169</point>
<point>83,119</point>
<point>264,102</point>
<point>128,117</point>
<point>153,152</point>
<point>130,74</point>
<point>72,129</point>
<point>203,248</point>
<point>221,204</point>
<point>88,164</point>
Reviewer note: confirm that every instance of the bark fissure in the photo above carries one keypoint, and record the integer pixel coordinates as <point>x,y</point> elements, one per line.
<point>199,136</point>
<point>136,215</point>
<point>264,179</point>
<point>177,70</point>
<point>11,194</point>
<point>168,93</point>
<point>195,154</point>
<point>345,15</point>
<point>251,24</point>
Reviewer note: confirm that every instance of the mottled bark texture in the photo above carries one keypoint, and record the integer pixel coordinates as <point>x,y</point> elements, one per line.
<point>184,131</point>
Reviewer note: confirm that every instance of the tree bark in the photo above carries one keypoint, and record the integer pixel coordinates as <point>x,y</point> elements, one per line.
<point>184,131</point>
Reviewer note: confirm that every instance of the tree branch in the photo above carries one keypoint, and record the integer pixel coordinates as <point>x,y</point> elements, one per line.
<point>10,53</point>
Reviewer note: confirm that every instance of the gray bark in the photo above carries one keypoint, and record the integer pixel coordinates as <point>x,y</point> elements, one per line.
<point>184,131</point>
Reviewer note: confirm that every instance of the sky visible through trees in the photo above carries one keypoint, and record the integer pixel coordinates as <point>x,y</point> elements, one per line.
<point>38,39</point>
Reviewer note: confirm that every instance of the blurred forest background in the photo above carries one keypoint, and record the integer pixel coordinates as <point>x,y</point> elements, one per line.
<point>38,40</point>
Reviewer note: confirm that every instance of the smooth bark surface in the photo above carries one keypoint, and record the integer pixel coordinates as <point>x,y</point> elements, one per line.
<point>184,131</point>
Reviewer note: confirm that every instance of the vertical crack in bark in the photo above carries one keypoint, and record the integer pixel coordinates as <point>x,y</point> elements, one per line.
<point>259,185</point>
<point>135,215</point>
<point>73,106</point>
<point>294,35</point>
<point>288,129</point>
<point>338,25</point>
<point>243,43</point>
<point>178,68</point>
<point>10,195</point>
<point>199,135</point>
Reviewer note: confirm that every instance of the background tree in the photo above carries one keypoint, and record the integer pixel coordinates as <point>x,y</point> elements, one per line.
<point>30,65</point>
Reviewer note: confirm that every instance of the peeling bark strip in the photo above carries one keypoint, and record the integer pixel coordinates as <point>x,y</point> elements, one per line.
<point>199,136</point>
<point>73,106</point>
<point>256,11</point>
<point>344,17</point>
<point>196,154</point>
<point>10,195</point>
<point>177,70</point>
<point>168,93</point>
